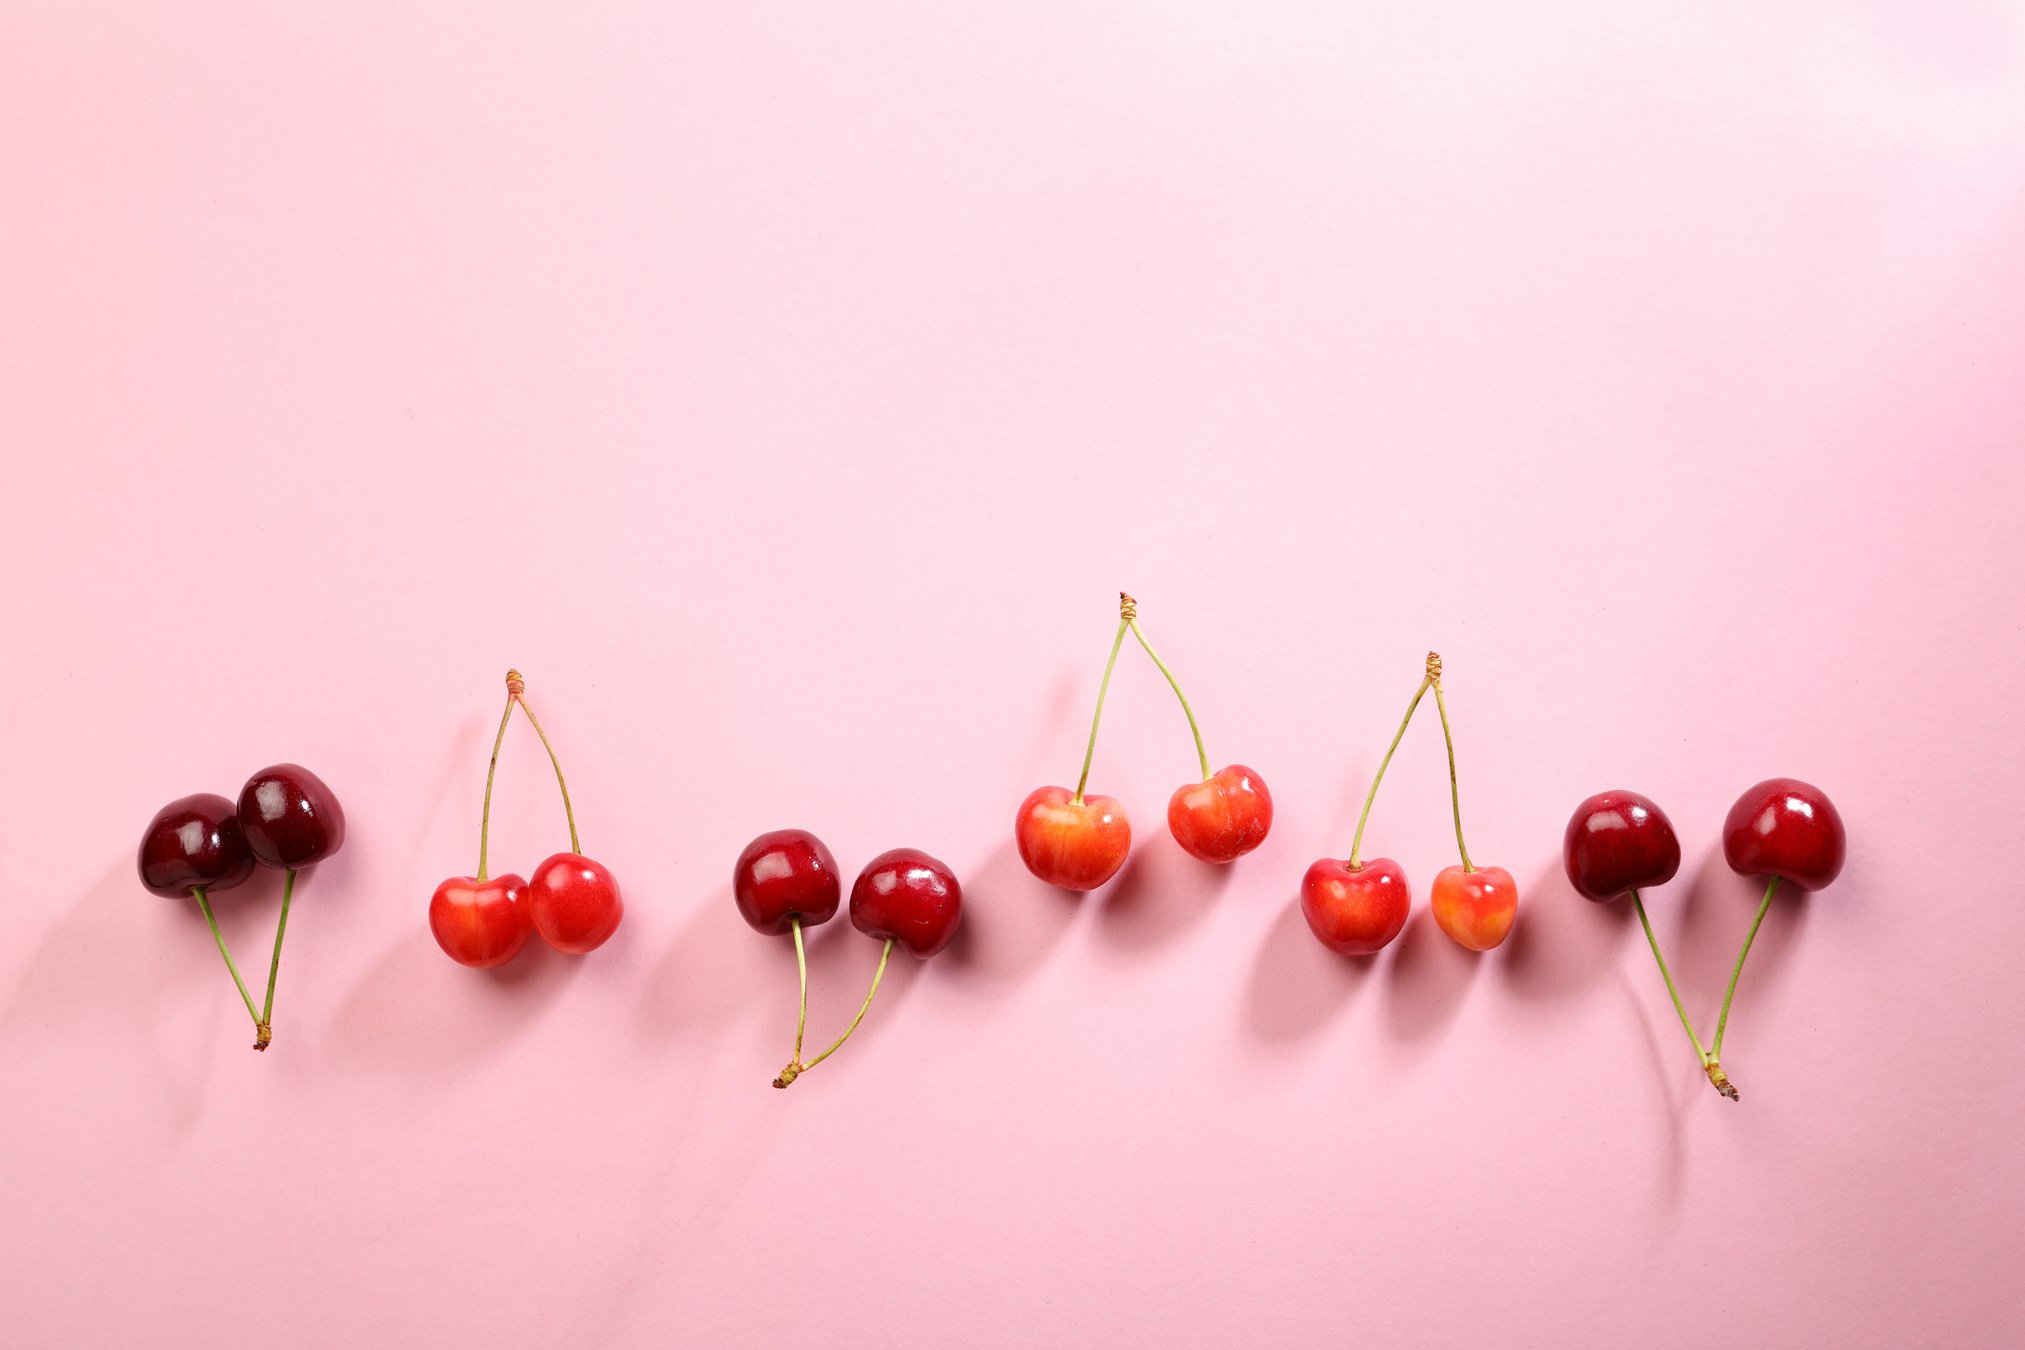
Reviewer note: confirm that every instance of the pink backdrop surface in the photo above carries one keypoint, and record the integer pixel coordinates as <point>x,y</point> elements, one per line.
<point>788,389</point>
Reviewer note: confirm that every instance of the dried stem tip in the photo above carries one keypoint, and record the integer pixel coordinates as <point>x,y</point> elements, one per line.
<point>1722,1082</point>
<point>1434,667</point>
<point>515,686</point>
<point>1128,608</point>
<point>788,1075</point>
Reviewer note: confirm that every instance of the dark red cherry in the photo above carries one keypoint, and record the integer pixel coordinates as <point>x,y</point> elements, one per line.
<point>290,817</point>
<point>910,897</point>
<point>1787,829</point>
<point>1619,841</point>
<point>784,876</point>
<point>194,841</point>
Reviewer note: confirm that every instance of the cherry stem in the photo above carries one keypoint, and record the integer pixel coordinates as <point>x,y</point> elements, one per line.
<point>1132,622</point>
<point>802,971</point>
<point>1090,751</point>
<point>569,814</point>
<point>1357,842</point>
<point>492,770</point>
<point>797,1068</point>
<point>1709,1065</point>
<point>1723,1019</point>
<point>204,903</point>
<point>266,1019</point>
<point>1454,792</point>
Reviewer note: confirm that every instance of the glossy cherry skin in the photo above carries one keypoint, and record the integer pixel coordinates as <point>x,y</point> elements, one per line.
<point>1618,841</point>
<point>194,841</point>
<point>1075,845</point>
<point>481,923</point>
<point>1355,911</point>
<point>291,818</point>
<point>1787,829</point>
<point>1223,817</point>
<point>1475,908</point>
<point>784,876</point>
<point>574,903</point>
<point>906,895</point>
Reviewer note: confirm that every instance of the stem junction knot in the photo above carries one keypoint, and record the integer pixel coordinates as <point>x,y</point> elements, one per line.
<point>1722,1082</point>
<point>515,686</point>
<point>1434,667</point>
<point>1128,608</point>
<point>789,1074</point>
<point>264,1034</point>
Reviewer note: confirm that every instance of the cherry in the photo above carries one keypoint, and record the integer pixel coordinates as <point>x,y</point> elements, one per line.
<point>1786,829</point>
<point>290,817</point>
<point>1617,842</point>
<point>480,923</point>
<point>784,880</point>
<point>1223,817</point>
<point>903,896</point>
<point>1476,908</point>
<point>193,845</point>
<point>1070,840</point>
<point>574,903</point>
<point>1355,908</point>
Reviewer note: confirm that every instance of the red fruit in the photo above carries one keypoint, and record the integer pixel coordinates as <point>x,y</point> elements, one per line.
<point>1619,841</point>
<point>194,841</point>
<point>1475,908</point>
<point>1075,845</point>
<point>910,897</point>
<point>1223,817</point>
<point>574,903</point>
<point>1787,829</point>
<point>784,876</point>
<point>291,817</point>
<point>1355,911</point>
<point>481,923</point>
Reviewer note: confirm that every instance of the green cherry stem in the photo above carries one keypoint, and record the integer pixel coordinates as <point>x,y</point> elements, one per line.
<point>521,698</point>
<point>1128,608</point>
<point>1090,751</point>
<point>204,903</point>
<point>492,770</point>
<point>1709,1065</point>
<point>802,972</point>
<point>1357,842</point>
<point>793,1071</point>
<point>1723,1019</point>
<point>266,1019</point>
<point>1454,792</point>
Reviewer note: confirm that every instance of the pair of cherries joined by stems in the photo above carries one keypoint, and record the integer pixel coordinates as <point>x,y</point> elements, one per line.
<point>1782,829</point>
<point>1078,841</point>
<point>285,817</point>
<point>786,880</point>
<point>571,900</point>
<point>1356,907</point>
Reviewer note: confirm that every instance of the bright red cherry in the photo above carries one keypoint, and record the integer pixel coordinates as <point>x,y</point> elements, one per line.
<point>784,877</point>
<point>194,842</point>
<point>481,923</point>
<point>909,897</point>
<point>1355,910</point>
<point>574,903</point>
<point>1476,908</point>
<point>291,818</point>
<point>1619,841</point>
<point>1077,845</point>
<point>1787,829</point>
<point>1223,817</point>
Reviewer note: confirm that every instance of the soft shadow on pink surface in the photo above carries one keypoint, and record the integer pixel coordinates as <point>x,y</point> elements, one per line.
<point>1666,1082</point>
<point>1715,912</point>
<point>1561,943</point>
<point>1012,920</point>
<point>1297,985</point>
<point>1161,894</point>
<point>1426,980</point>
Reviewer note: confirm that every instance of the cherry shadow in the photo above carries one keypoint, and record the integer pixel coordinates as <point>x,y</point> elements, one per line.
<point>1011,922</point>
<point>1666,1080</point>
<point>1426,980</point>
<point>1562,943</point>
<point>1296,985</point>
<point>1161,894</point>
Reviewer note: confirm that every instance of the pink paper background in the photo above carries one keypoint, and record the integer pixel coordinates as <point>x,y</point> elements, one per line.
<point>787,389</point>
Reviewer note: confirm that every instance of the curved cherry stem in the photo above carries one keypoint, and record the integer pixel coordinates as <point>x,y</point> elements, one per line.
<point>1709,1065</point>
<point>795,1070</point>
<point>1357,842</point>
<point>1090,751</point>
<point>492,771</point>
<point>266,1020</point>
<point>560,782</point>
<point>204,903</point>
<point>1723,1019</point>
<point>1201,754</point>
<point>1454,792</point>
